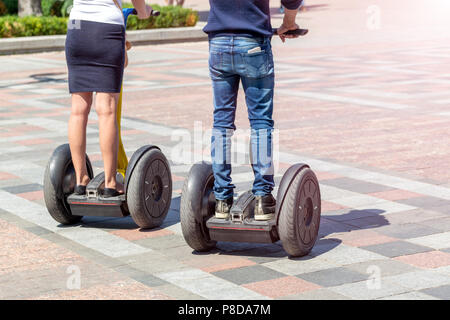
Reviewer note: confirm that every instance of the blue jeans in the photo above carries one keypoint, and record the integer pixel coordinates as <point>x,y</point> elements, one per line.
<point>230,62</point>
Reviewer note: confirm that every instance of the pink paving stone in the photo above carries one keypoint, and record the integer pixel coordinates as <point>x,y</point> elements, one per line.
<point>131,132</point>
<point>95,157</point>
<point>217,262</point>
<point>7,176</point>
<point>177,178</point>
<point>50,114</point>
<point>11,114</point>
<point>22,251</point>
<point>281,287</point>
<point>119,290</point>
<point>396,194</point>
<point>323,175</point>
<point>137,234</point>
<point>427,260</point>
<point>235,263</point>
<point>330,206</point>
<point>360,238</point>
<point>33,195</point>
<point>30,142</point>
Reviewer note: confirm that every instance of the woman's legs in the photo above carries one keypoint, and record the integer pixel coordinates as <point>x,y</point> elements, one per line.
<point>81,105</point>
<point>106,106</point>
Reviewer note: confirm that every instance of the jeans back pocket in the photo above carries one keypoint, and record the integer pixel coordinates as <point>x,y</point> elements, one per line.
<point>258,65</point>
<point>215,59</point>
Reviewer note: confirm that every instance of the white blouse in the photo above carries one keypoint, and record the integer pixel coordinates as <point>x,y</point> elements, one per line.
<point>104,11</point>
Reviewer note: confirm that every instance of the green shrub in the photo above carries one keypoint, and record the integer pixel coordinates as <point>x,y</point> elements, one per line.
<point>57,8</point>
<point>3,9</point>
<point>171,16</point>
<point>13,26</point>
<point>12,6</point>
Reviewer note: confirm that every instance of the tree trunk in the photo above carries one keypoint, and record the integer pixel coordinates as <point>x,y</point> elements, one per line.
<point>30,8</point>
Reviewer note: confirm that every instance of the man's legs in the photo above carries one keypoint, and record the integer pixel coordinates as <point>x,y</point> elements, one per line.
<point>259,98</point>
<point>225,89</point>
<point>259,87</point>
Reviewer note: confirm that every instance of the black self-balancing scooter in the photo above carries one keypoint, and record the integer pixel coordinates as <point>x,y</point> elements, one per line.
<point>147,185</point>
<point>297,216</point>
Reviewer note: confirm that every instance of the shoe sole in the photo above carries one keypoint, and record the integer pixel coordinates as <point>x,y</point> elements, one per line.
<point>222,215</point>
<point>264,217</point>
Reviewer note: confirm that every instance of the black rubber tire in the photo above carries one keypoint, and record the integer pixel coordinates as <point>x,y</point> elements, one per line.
<point>197,205</point>
<point>149,191</point>
<point>56,192</point>
<point>299,220</point>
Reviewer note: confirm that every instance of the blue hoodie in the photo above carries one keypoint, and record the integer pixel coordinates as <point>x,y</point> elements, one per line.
<point>242,17</point>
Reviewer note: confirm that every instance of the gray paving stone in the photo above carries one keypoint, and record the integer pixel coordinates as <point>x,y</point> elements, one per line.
<point>420,279</point>
<point>262,254</point>
<point>13,184</point>
<point>407,231</point>
<point>367,222</point>
<point>443,209</point>
<point>235,247</point>
<point>344,215</point>
<point>426,202</point>
<point>141,276</point>
<point>419,215</point>
<point>356,185</point>
<point>328,226</point>
<point>413,295</point>
<point>23,188</point>
<point>442,223</point>
<point>248,274</point>
<point>363,291</point>
<point>333,277</point>
<point>162,243</point>
<point>396,248</point>
<point>442,292</point>
<point>178,293</point>
<point>319,294</point>
<point>387,267</point>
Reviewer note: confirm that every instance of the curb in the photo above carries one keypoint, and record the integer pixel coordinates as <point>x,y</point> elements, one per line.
<point>137,37</point>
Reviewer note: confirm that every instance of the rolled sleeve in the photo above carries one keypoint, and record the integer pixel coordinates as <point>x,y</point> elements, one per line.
<point>291,4</point>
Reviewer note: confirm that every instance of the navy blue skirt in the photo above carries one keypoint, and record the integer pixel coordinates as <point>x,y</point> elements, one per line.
<point>95,55</point>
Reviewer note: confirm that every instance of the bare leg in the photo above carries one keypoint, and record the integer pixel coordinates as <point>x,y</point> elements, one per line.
<point>81,105</point>
<point>106,106</point>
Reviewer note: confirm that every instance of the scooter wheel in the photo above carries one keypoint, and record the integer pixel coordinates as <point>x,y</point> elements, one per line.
<point>197,206</point>
<point>59,183</point>
<point>299,217</point>
<point>149,191</point>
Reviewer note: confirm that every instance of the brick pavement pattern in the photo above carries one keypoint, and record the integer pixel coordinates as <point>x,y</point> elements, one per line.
<point>363,100</point>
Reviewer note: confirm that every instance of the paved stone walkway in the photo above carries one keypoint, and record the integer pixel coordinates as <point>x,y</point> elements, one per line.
<point>367,108</point>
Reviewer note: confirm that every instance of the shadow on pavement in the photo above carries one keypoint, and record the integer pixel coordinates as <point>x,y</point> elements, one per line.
<point>40,78</point>
<point>346,222</point>
<point>330,224</point>
<point>127,223</point>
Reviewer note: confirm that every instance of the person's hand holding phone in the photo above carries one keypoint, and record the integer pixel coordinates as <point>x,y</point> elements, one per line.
<point>144,11</point>
<point>288,24</point>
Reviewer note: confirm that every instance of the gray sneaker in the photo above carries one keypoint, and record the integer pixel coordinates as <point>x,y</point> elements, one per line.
<point>264,207</point>
<point>223,208</point>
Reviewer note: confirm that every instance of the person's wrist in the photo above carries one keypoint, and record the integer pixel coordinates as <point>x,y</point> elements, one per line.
<point>289,24</point>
